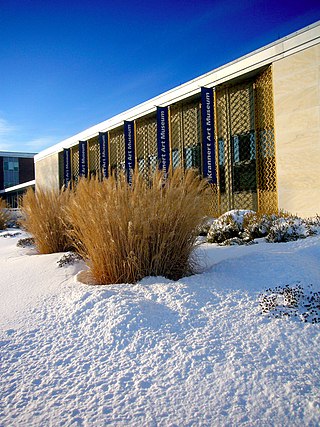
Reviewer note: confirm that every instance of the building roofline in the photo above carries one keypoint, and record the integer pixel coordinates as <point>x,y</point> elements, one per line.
<point>18,154</point>
<point>286,46</point>
<point>18,187</point>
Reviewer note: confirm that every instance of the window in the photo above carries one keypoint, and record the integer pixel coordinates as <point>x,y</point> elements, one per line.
<point>222,165</point>
<point>244,163</point>
<point>10,171</point>
<point>192,157</point>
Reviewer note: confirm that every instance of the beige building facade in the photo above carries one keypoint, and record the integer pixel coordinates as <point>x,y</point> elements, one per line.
<point>265,126</point>
<point>296,81</point>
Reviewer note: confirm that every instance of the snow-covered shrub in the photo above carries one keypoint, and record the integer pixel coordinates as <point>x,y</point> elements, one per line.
<point>313,224</point>
<point>15,217</point>
<point>241,227</point>
<point>291,301</point>
<point>69,258</point>
<point>146,229</point>
<point>205,227</point>
<point>44,218</point>
<point>227,226</point>
<point>4,215</point>
<point>287,229</point>
<point>257,225</point>
<point>10,234</point>
<point>26,242</point>
<point>238,241</point>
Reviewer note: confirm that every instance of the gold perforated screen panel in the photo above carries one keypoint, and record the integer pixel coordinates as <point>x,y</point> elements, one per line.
<point>186,135</point>
<point>75,163</point>
<point>246,146</point>
<point>117,150</point>
<point>146,145</point>
<point>266,159</point>
<point>94,157</point>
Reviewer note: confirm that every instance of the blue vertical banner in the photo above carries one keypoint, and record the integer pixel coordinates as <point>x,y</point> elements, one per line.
<point>163,139</point>
<point>129,149</point>
<point>67,167</point>
<point>208,142</point>
<point>104,153</point>
<point>83,159</point>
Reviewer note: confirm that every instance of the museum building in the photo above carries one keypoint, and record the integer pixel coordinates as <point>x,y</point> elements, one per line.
<point>250,127</point>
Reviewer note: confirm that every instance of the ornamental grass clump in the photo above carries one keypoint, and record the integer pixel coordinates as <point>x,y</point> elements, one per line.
<point>146,229</point>
<point>44,218</point>
<point>4,215</point>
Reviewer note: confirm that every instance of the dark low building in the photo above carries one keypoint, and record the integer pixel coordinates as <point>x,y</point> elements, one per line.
<point>16,175</point>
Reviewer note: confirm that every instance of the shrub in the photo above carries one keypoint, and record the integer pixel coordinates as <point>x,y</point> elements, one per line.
<point>257,225</point>
<point>205,226</point>
<point>313,224</point>
<point>26,242</point>
<point>44,218</point>
<point>241,227</point>
<point>298,301</point>
<point>4,215</point>
<point>146,229</point>
<point>69,258</point>
<point>228,226</point>
<point>287,229</point>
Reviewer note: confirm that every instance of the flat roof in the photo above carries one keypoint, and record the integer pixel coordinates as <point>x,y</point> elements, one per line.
<point>286,46</point>
<point>18,154</point>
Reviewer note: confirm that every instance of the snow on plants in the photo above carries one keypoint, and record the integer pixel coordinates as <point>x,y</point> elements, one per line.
<point>10,234</point>
<point>227,226</point>
<point>69,258</point>
<point>291,301</point>
<point>26,242</point>
<point>195,352</point>
<point>286,229</point>
<point>243,226</point>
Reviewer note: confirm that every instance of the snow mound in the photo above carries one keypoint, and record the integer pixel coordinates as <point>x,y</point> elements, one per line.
<point>192,352</point>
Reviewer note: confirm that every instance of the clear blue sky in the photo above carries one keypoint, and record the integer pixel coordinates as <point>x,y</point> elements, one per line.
<point>67,65</point>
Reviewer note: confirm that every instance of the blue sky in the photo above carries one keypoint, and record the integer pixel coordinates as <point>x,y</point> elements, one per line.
<point>67,65</point>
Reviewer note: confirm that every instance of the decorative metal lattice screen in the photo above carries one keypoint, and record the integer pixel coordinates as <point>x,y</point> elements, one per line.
<point>117,151</point>
<point>224,149</point>
<point>146,145</point>
<point>94,157</point>
<point>185,135</point>
<point>245,142</point>
<point>267,179</point>
<point>75,163</point>
<point>236,147</point>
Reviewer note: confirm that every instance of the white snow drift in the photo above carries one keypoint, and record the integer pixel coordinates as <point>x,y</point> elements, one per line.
<point>159,353</point>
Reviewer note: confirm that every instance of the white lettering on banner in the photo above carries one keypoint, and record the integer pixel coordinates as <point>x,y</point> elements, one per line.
<point>208,105</point>
<point>67,165</point>
<point>83,154</point>
<point>208,116</point>
<point>130,154</point>
<point>208,134</point>
<point>163,140</point>
<point>163,125</point>
<point>209,160</point>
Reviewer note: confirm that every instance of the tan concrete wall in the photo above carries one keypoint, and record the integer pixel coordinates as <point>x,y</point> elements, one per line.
<point>47,172</point>
<point>296,81</point>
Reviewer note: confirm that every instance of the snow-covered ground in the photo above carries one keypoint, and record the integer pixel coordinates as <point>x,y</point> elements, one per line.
<point>197,352</point>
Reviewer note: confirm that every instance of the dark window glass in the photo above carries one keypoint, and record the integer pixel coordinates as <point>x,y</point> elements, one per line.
<point>11,171</point>
<point>244,162</point>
